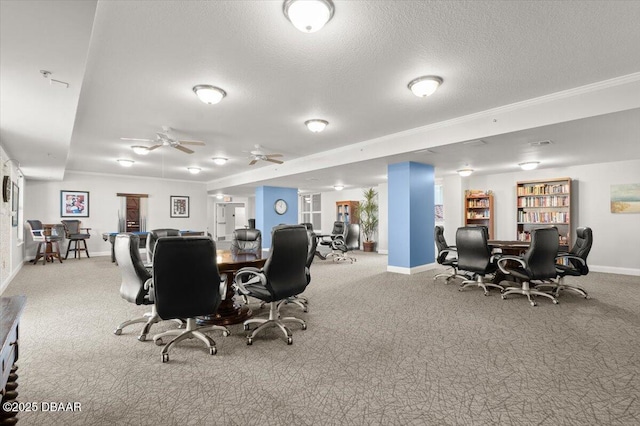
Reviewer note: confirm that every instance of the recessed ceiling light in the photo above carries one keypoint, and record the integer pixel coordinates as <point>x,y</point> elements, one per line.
<point>529,165</point>
<point>316,125</point>
<point>465,172</point>
<point>126,163</point>
<point>209,94</point>
<point>220,160</point>
<point>541,143</point>
<point>425,86</point>
<point>220,196</point>
<point>140,150</point>
<point>308,15</point>
<point>338,187</point>
<point>194,170</point>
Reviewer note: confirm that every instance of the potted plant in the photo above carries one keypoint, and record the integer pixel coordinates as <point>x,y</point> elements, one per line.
<point>368,214</point>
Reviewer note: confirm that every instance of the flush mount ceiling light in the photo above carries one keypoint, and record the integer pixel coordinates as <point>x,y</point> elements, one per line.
<point>126,163</point>
<point>194,170</point>
<point>219,160</point>
<point>338,187</point>
<point>529,165</point>
<point>209,94</point>
<point>140,150</point>
<point>219,196</point>
<point>308,15</point>
<point>425,86</point>
<point>316,125</point>
<point>465,172</point>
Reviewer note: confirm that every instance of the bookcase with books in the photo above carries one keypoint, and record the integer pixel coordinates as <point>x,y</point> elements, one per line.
<point>478,209</point>
<point>544,203</point>
<point>347,211</point>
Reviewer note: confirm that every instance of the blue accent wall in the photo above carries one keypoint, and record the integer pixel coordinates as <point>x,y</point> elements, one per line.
<point>266,216</point>
<point>411,214</point>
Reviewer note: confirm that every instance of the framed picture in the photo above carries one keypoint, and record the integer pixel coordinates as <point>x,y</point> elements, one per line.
<point>74,204</point>
<point>15,198</point>
<point>179,206</point>
<point>625,198</point>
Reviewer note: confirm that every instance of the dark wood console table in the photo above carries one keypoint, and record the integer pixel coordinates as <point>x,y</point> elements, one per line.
<point>10,312</point>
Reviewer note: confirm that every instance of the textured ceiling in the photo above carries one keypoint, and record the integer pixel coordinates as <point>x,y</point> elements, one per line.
<point>143,58</point>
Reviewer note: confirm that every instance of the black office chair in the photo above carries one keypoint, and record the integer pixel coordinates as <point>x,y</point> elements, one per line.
<point>474,256</point>
<point>53,241</point>
<point>152,239</point>
<point>447,255</point>
<point>538,263</point>
<point>284,275</point>
<point>186,284</point>
<point>308,225</point>
<point>339,230</point>
<point>298,300</point>
<point>76,234</point>
<point>246,241</point>
<point>136,282</point>
<point>574,263</point>
<point>340,246</point>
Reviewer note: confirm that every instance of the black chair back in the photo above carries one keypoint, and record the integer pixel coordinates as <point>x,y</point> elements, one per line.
<point>133,272</point>
<point>246,241</point>
<point>285,268</point>
<point>581,248</point>
<point>352,240</point>
<point>154,235</point>
<point>71,227</point>
<point>441,243</point>
<point>308,225</point>
<point>474,254</point>
<point>541,256</point>
<point>185,277</point>
<point>338,228</point>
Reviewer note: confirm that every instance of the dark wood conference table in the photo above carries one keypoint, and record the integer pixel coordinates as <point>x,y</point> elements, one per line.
<point>142,235</point>
<point>229,311</point>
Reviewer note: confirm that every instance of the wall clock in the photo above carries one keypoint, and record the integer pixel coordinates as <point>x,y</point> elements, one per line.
<point>280,206</point>
<point>6,188</point>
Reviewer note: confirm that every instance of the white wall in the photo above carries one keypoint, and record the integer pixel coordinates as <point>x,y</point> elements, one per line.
<point>10,242</point>
<point>42,202</point>
<point>328,204</point>
<point>615,249</point>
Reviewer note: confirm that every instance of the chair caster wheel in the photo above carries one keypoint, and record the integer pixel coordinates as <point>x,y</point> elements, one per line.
<point>213,351</point>
<point>117,331</point>
<point>460,289</point>
<point>158,342</point>
<point>587,297</point>
<point>533,303</point>
<point>305,310</point>
<point>226,333</point>
<point>289,340</point>
<point>503,296</point>
<point>165,357</point>
<point>249,341</point>
<point>304,326</point>
<point>142,337</point>
<point>486,293</point>
<point>245,327</point>
<point>555,302</point>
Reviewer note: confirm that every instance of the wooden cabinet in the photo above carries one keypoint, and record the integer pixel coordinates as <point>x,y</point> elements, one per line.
<point>347,211</point>
<point>544,203</point>
<point>478,209</point>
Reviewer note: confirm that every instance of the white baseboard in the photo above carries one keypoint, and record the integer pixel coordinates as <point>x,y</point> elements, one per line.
<point>4,285</point>
<point>411,271</point>
<point>614,270</point>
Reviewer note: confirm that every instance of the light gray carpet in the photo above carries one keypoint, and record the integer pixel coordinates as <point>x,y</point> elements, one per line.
<point>380,349</point>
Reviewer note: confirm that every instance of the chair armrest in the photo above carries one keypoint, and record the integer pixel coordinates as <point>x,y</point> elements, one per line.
<point>223,286</point>
<point>448,251</point>
<point>505,258</point>
<point>251,273</point>
<point>86,229</point>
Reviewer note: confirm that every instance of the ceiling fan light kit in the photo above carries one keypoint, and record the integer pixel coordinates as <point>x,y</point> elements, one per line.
<point>316,125</point>
<point>425,86</point>
<point>209,94</point>
<point>308,16</point>
<point>338,187</point>
<point>529,165</point>
<point>140,150</point>
<point>194,170</point>
<point>465,172</point>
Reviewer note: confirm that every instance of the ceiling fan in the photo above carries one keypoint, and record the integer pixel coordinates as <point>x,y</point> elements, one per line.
<point>164,138</point>
<point>259,154</point>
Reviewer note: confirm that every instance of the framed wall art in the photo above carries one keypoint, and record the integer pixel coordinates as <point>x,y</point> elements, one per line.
<point>625,198</point>
<point>74,204</point>
<point>179,206</point>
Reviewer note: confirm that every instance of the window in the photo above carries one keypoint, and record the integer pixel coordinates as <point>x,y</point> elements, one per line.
<point>310,208</point>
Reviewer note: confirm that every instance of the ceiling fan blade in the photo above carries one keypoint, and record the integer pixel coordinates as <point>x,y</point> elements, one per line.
<point>183,149</point>
<point>136,139</point>
<point>273,155</point>
<point>254,161</point>
<point>192,143</point>
<point>151,148</point>
<point>274,161</point>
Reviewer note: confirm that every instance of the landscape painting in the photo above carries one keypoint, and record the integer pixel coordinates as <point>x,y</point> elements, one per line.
<point>625,198</point>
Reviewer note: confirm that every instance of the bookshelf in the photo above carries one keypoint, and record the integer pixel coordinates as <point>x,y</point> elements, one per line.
<point>544,203</point>
<point>347,211</point>
<point>478,209</point>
